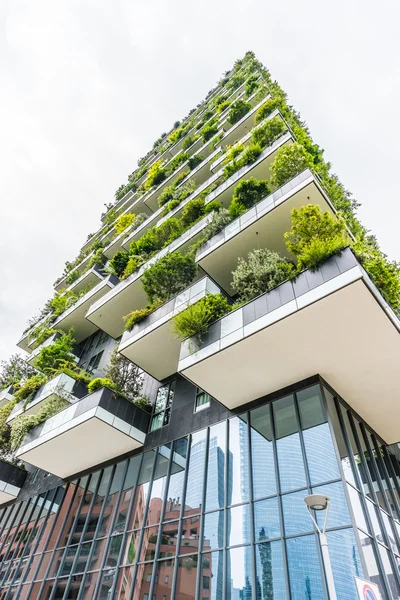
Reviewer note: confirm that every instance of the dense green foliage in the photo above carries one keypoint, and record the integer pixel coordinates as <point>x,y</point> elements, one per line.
<point>315,236</point>
<point>137,315</point>
<point>238,110</point>
<point>168,276</point>
<point>247,193</point>
<point>208,132</point>
<point>259,273</point>
<point>123,222</point>
<point>100,382</point>
<point>289,161</point>
<point>197,318</point>
<point>267,108</point>
<point>22,424</point>
<point>29,387</point>
<point>271,130</point>
<point>57,355</point>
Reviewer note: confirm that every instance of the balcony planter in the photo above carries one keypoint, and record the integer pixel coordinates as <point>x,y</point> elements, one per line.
<point>151,344</point>
<point>64,385</point>
<point>331,322</point>
<point>262,225</point>
<point>12,478</point>
<point>98,428</point>
<point>107,313</point>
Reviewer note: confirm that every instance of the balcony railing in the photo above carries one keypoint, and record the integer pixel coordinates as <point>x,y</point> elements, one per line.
<point>332,322</point>
<point>62,385</point>
<point>98,428</point>
<point>107,313</point>
<point>262,226</point>
<point>155,332</point>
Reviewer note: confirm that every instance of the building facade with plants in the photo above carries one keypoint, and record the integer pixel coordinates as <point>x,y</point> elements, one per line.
<point>224,345</point>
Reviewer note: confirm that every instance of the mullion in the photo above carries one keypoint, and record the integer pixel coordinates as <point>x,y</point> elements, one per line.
<point>131,505</point>
<point>48,537</point>
<point>85,527</point>
<point>68,542</point>
<point>21,528</point>
<point>56,544</point>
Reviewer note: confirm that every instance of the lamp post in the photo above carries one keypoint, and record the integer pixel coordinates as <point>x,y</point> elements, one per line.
<point>322,502</point>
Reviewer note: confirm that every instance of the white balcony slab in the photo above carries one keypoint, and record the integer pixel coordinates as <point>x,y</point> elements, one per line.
<point>107,313</point>
<point>73,440</point>
<point>332,322</point>
<point>262,226</point>
<point>151,344</point>
<point>61,385</point>
<point>6,396</point>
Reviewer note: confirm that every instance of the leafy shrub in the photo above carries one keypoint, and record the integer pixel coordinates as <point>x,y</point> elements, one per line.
<point>156,175</point>
<point>30,387</point>
<point>251,153</point>
<point>127,377</point>
<point>43,332</point>
<point>238,110</point>
<point>143,403</point>
<point>176,162</point>
<point>138,220</point>
<point>208,132</point>
<point>170,206</point>
<point>166,195</point>
<point>61,302</point>
<point>51,358</point>
<point>133,264</point>
<point>98,259</point>
<point>235,82</point>
<point>196,319</point>
<point>247,193</point>
<point>189,141</point>
<point>119,262</point>
<point>99,382</point>
<point>223,106</point>
<point>266,134</point>
<point>384,273</point>
<point>262,271</point>
<point>123,222</point>
<point>251,85</point>
<point>5,429</point>
<point>72,277</point>
<point>194,161</point>
<point>22,424</point>
<point>168,276</point>
<point>315,236</point>
<point>192,212</point>
<point>136,316</point>
<point>221,219</point>
<point>289,161</point>
<point>180,178</point>
<point>266,109</point>
<point>212,206</point>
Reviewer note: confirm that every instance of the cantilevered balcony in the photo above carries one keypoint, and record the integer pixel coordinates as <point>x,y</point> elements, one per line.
<point>107,313</point>
<point>6,395</point>
<point>235,132</point>
<point>202,177</point>
<point>98,428</point>
<point>151,344</point>
<point>259,169</point>
<point>12,478</point>
<point>76,349</point>
<point>74,316</point>
<point>332,322</point>
<point>60,386</point>
<point>89,279</point>
<point>262,226</point>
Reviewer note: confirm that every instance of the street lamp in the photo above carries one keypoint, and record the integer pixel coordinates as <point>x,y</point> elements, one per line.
<point>322,502</point>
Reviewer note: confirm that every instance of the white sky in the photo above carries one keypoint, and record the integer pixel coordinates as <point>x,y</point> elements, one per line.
<point>87,86</point>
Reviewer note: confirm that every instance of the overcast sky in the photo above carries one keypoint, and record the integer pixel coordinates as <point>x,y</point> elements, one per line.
<point>87,86</point>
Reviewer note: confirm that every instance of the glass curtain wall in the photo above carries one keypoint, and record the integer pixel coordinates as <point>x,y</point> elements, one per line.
<point>219,514</point>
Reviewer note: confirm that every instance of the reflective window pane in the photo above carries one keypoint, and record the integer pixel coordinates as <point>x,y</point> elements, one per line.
<point>266,519</point>
<point>295,515</point>
<point>239,571</point>
<point>290,457</point>
<point>270,579</point>
<point>304,568</point>
<point>338,511</point>
<point>238,525</point>
<point>213,534</point>
<point>238,460</point>
<point>346,563</point>
<point>186,578</point>
<point>340,439</point>
<point>216,468</point>
<point>164,578</point>
<point>211,575</point>
<point>317,435</point>
<point>195,481</point>
<point>263,465</point>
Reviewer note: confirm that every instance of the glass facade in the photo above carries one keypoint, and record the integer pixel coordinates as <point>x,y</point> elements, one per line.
<point>218,514</point>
